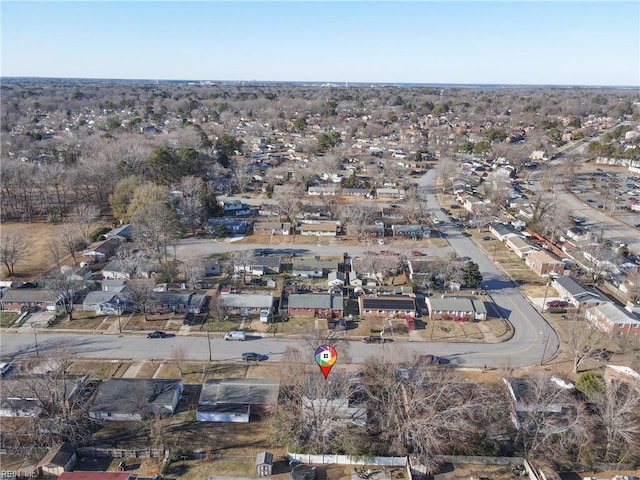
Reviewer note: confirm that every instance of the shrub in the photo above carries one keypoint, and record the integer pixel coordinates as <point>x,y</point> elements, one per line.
<point>97,233</point>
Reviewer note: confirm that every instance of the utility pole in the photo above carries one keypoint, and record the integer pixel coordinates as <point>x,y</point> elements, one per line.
<point>209,344</point>
<point>35,335</point>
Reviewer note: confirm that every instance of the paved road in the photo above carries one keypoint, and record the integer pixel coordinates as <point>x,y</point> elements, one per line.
<point>532,339</point>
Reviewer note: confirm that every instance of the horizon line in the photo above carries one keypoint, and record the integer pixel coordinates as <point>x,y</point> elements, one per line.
<point>315,82</point>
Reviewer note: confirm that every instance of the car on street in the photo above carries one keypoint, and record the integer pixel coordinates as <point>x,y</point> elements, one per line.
<point>253,357</point>
<point>373,339</point>
<point>157,334</point>
<point>465,234</point>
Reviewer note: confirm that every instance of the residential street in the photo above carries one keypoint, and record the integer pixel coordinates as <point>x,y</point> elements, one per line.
<point>532,339</point>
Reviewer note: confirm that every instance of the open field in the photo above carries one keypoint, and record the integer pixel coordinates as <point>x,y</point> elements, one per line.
<point>39,237</point>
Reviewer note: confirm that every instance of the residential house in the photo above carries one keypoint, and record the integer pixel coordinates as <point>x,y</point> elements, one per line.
<point>461,309</point>
<point>315,305</point>
<point>28,399</point>
<point>231,226</point>
<point>577,293</point>
<point>106,303</point>
<point>235,399</point>
<point>613,320</point>
<point>102,251</point>
<point>520,246</point>
<point>272,228</point>
<point>30,298</point>
<point>316,267</point>
<point>132,399</point>
<point>413,232</point>
<point>325,229</point>
<point>211,267</point>
<point>323,190</point>
<point>335,279</point>
<point>246,303</point>
<point>524,396</point>
<point>502,231</point>
<point>115,269</point>
<point>59,459</point>
<point>387,192</point>
<point>236,208</point>
<point>346,408</point>
<point>122,233</point>
<point>115,285</point>
<point>356,192</point>
<point>544,263</point>
<point>421,270</point>
<point>471,203</point>
<point>387,306</point>
<point>179,302</point>
<point>262,265</point>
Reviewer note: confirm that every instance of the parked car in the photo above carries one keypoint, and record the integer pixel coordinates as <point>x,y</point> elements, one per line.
<point>253,357</point>
<point>5,368</point>
<point>157,334</point>
<point>557,304</point>
<point>487,238</point>
<point>373,339</point>
<point>465,234</point>
<point>235,335</point>
<point>410,322</point>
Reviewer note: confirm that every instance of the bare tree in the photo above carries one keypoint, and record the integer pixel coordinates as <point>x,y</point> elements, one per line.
<point>193,272</point>
<point>140,294</point>
<point>618,421</point>
<point>83,216</point>
<point>555,425</point>
<point>66,286</point>
<point>48,385</point>
<point>241,261</point>
<point>357,217</point>
<point>190,203</point>
<point>423,411</point>
<point>581,341</point>
<point>70,241</point>
<point>14,247</point>
<point>179,357</point>
<point>154,226</point>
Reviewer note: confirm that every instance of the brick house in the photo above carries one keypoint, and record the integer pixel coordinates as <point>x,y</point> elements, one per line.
<point>613,320</point>
<point>387,306</point>
<point>544,263</point>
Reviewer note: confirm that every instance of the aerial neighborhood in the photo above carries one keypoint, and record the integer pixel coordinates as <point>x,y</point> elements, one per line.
<point>174,253</point>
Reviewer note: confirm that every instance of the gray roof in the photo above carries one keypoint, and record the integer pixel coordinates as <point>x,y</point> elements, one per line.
<point>242,300</point>
<point>253,391</point>
<point>314,264</point>
<point>316,300</point>
<point>456,304</point>
<point>266,261</point>
<point>24,295</point>
<point>578,289</point>
<point>97,297</point>
<point>132,395</point>
<point>616,314</point>
<point>179,298</point>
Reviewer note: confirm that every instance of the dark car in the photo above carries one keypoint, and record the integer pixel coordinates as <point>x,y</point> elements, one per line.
<point>253,357</point>
<point>486,238</point>
<point>432,360</point>
<point>465,234</point>
<point>373,339</point>
<point>157,334</point>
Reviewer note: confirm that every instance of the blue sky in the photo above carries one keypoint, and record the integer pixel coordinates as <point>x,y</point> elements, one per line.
<point>503,42</point>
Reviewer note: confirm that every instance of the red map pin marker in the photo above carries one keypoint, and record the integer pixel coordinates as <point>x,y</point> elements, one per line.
<point>326,357</point>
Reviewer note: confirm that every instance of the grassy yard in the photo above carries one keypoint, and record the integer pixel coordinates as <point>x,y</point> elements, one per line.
<point>79,322</point>
<point>7,318</point>
<point>96,369</point>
